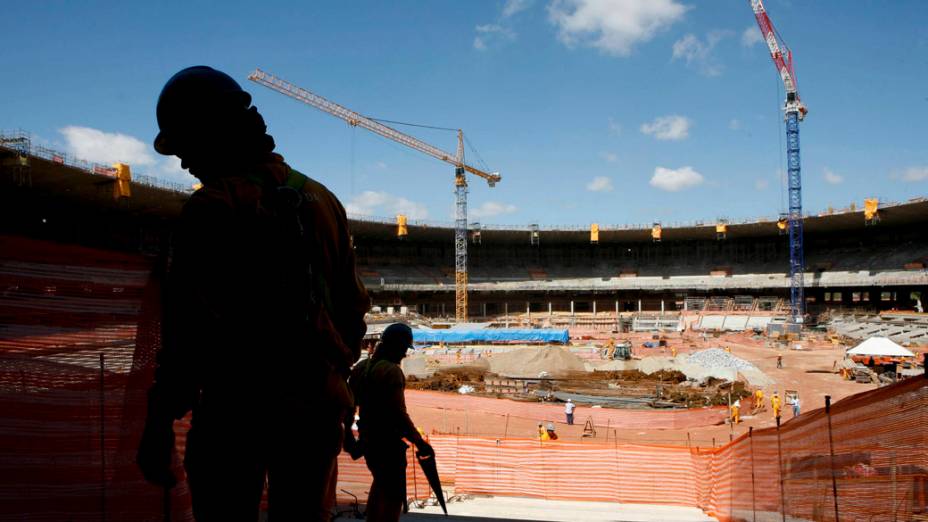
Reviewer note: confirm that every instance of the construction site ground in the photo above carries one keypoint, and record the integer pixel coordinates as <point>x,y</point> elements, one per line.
<point>488,509</point>
<point>809,372</point>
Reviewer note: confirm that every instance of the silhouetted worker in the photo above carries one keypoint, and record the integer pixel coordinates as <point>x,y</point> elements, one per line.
<point>379,387</point>
<point>263,316</point>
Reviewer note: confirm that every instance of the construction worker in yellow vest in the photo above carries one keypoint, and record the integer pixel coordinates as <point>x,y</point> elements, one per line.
<point>736,412</point>
<point>543,433</point>
<point>775,404</point>
<point>758,399</point>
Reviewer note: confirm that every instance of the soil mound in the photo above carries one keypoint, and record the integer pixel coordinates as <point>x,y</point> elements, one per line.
<point>532,362</point>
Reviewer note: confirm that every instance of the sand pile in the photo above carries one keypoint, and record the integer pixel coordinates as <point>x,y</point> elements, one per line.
<point>531,362</point>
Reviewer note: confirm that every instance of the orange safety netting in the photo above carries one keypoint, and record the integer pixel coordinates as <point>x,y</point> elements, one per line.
<point>77,344</point>
<point>874,458</point>
<point>69,428</point>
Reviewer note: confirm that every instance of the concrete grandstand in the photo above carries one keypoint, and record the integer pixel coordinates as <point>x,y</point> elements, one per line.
<point>851,266</point>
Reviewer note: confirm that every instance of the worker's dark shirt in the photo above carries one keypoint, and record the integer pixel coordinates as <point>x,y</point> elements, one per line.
<point>378,386</point>
<point>237,323</point>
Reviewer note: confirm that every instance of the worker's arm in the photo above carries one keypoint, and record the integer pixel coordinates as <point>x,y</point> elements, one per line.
<point>346,298</point>
<point>404,425</point>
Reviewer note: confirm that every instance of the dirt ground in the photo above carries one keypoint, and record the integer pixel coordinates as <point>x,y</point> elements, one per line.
<point>807,371</point>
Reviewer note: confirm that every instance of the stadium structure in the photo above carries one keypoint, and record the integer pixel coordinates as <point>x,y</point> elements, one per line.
<point>853,264</point>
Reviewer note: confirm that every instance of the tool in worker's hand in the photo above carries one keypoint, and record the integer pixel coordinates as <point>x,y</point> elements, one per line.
<point>166,503</point>
<point>427,463</point>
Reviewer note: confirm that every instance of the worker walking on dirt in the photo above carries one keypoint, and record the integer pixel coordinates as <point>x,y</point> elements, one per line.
<point>552,435</point>
<point>569,412</point>
<point>543,433</point>
<point>736,412</point>
<point>775,404</point>
<point>262,316</point>
<point>797,406</point>
<point>378,385</point>
<point>759,399</point>
<point>779,361</point>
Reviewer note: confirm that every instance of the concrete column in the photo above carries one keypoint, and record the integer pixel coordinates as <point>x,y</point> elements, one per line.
<point>639,306</point>
<point>484,307</point>
<point>443,309</point>
<point>662,307</point>
<point>571,308</point>
<point>506,313</point>
<point>528,310</point>
<point>550,309</point>
<point>594,306</point>
<point>617,308</point>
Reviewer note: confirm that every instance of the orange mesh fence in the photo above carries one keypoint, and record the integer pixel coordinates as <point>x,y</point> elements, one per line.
<point>873,456</point>
<point>69,430</point>
<point>615,418</point>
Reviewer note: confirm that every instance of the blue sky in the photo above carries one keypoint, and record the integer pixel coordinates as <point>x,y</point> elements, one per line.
<point>607,111</point>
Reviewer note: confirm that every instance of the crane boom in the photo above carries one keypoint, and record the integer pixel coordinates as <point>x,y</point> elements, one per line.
<point>353,118</point>
<point>795,113</point>
<point>457,159</point>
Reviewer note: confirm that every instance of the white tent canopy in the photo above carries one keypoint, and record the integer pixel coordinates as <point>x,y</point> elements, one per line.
<point>880,346</point>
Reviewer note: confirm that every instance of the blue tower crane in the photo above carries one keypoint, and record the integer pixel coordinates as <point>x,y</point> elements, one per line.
<point>795,113</point>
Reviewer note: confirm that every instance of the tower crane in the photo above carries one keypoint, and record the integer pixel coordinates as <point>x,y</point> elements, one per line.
<point>457,159</point>
<point>795,113</point>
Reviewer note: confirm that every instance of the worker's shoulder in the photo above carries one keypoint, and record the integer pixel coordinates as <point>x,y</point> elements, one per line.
<point>387,371</point>
<point>317,192</point>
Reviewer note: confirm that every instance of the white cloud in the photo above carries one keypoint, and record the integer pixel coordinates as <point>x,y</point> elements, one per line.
<point>698,54</point>
<point>612,26</point>
<point>381,165</point>
<point>673,180</point>
<point>610,157</point>
<point>831,177</point>
<point>751,36</point>
<point>110,147</point>
<point>761,184</point>
<point>673,127</point>
<point>512,7</point>
<point>490,209</point>
<point>489,34</point>
<point>371,203</point>
<point>915,174</point>
<point>170,169</point>
<point>106,147</point>
<point>615,128</point>
<point>734,124</point>
<point>600,184</point>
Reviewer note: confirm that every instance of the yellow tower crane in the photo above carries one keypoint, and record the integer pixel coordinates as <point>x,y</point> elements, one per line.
<point>460,169</point>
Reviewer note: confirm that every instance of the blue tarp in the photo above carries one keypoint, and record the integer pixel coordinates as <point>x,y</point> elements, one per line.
<point>525,335</point>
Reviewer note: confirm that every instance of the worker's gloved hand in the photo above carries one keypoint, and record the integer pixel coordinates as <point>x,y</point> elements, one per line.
<point>156,452</point>
<point>424,449</point>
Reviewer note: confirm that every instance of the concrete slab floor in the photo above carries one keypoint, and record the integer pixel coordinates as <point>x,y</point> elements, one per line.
<point>502,509</point>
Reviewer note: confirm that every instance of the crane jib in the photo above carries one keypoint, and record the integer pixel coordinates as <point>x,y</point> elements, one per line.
<point>355,119</point>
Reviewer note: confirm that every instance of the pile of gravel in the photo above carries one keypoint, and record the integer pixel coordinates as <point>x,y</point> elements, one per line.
<point>719,358</point>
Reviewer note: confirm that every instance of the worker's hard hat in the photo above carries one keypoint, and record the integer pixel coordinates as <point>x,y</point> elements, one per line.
<point>550,426</point>
<point>568,400</point>
<point>397,334</point>
<point>194,94</point>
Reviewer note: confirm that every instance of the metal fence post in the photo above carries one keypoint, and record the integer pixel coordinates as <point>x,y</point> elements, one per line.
<point>753,499</point>
<point>102,442</point>
<point>780,468</point>
<point>831,449</point>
